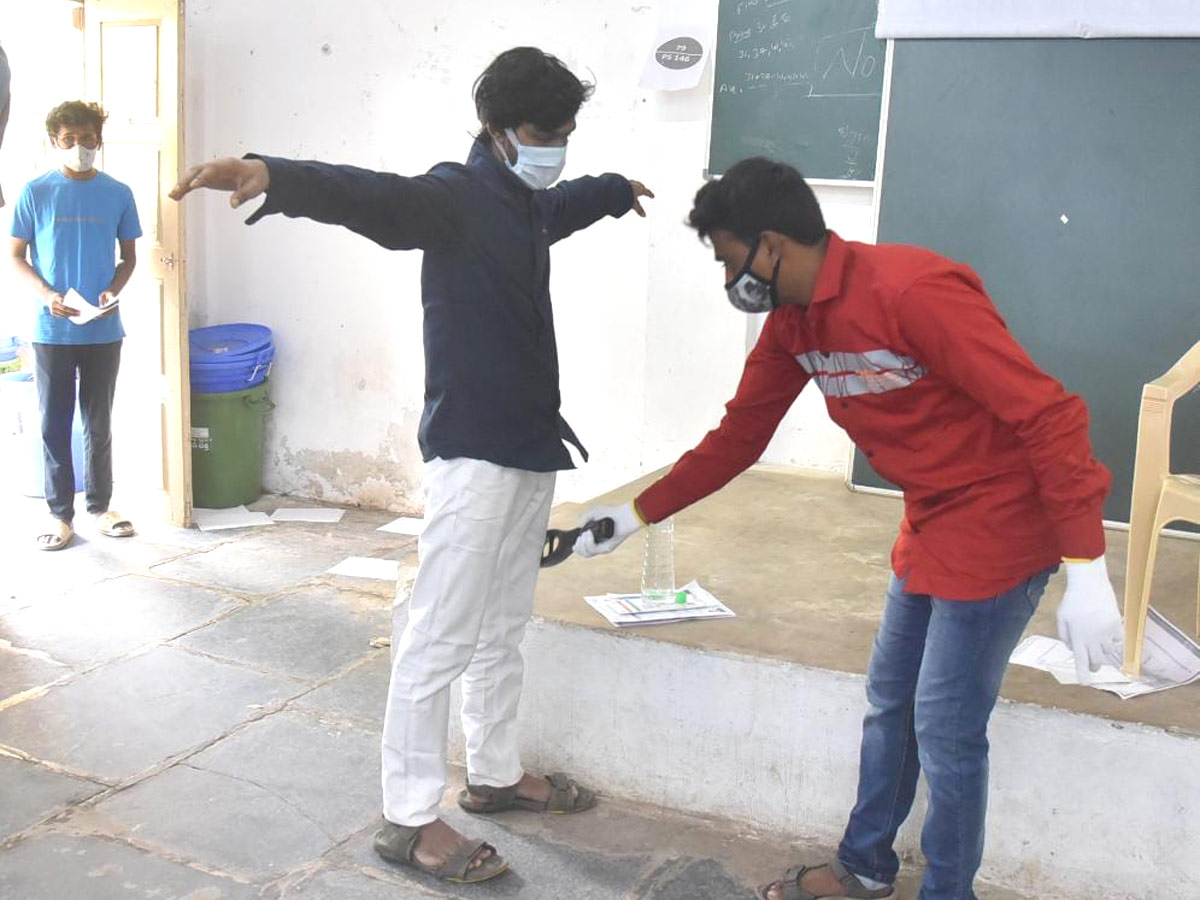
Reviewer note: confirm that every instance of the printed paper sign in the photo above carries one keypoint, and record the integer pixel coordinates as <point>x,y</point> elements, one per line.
<point>677,60</point>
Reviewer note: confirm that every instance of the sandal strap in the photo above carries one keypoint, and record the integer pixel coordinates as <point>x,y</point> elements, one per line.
<point>565,793</point>
<point>458,864</point>
<point>789,885</point>
<point>489,797</point>
<point>844,875</point>
<point>58,530</point>
<point>400,840</point>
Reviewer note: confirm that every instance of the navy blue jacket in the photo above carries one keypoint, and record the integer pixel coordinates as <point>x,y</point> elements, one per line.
<point>491,362</point>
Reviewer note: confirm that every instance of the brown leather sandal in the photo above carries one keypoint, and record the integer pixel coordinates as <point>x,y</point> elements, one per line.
<point>398,844</point>
<point>852,888</point>
<point>566,796</point>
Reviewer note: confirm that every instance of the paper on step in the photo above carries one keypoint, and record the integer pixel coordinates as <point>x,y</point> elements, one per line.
<point>367,567</point>
<point>87,312</point>
<point>308,514</point>
<point>234,517</point>
<point>1169,659</point>
<point>625,610</point>
<point>404,525</point>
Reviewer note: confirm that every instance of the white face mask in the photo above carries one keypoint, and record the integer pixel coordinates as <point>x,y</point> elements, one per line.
<point>538,167</point>
<point>78,158</point>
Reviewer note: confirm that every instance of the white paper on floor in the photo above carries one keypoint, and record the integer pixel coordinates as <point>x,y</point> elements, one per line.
<point>1169,659</point>
<point>367,567</point>
<point>404,525</point>
<point>234,517</point>
<point>311,514</point>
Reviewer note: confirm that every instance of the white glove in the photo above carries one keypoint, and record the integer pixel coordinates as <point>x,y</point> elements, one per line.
<point>1089,621</point>
<point>625,520</point>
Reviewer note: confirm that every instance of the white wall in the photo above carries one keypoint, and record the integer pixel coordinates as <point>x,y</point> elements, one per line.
<point>650,350</point>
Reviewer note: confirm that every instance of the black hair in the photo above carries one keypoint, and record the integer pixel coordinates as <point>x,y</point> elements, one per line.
<point>76,113</point>
<point>525,84</point>
<point>757,195</point>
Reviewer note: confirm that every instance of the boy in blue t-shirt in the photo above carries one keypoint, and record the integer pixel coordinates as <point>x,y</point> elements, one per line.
<point>71,221</point>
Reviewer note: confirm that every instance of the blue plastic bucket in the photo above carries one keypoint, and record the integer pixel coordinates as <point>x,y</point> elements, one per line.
<point>234,374</point>
<point>228,358</point>
<point>218,342</point>
<point>21,459</point>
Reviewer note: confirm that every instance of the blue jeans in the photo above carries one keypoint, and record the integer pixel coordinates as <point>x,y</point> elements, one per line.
<point>934,676</point>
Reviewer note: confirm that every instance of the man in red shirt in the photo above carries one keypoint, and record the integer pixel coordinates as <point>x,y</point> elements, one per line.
<point>999,481</point>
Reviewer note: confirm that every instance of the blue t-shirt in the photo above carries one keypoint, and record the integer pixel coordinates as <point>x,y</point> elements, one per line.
<point>72,228</point>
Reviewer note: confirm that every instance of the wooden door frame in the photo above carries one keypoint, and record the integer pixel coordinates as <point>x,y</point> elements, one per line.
<point>177,442</point>
<point>171,265</point>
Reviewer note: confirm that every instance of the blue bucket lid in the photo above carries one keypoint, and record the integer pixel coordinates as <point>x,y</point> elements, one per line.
<point>241,361</point>
<point>227,383</point>
<point>216,342</point>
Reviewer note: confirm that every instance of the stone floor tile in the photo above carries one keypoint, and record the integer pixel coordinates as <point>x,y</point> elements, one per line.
<point>32,792</point>
<point>360,695</point>
<point>63,867</point>
<point>329,773</point>
<point>113,617</point>
<point>226,823</point>
<point>123,717</point>
<point>21,669</point>
<point>335,884</point>
<point>261,563</point>
<point>540,869</point>
<point>310,633</point>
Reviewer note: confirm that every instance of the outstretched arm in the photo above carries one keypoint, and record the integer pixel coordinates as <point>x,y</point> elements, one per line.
<point>397,212</point>
<point>579,202</point>
<point>771,381</point>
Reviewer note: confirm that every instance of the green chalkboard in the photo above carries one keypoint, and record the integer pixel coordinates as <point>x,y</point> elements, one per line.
<point>800,81</point>
<point>1066,172</point>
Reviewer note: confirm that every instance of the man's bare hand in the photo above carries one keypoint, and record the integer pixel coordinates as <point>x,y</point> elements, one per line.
<point>639,191</point>
<point>54,302</point>
<point>246,178</point>
<point>108,303</point>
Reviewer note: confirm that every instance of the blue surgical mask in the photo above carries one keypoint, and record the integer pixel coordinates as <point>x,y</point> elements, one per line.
<point>538,167</point>
<point>751,293</point>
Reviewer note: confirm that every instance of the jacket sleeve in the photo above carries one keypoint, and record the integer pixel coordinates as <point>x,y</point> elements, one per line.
<point>580,202</point>
<point>394,211</point>
<point>771,381</point>
<point>956,332</point>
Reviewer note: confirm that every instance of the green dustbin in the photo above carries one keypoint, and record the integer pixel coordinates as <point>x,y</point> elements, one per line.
<point>227,446</point>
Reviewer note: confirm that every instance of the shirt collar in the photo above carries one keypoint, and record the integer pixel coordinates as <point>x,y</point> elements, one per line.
<point>833,267</point>
<point>482,157</point>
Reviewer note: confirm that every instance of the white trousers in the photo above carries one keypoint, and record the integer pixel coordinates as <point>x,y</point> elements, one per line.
<point>467,612</point>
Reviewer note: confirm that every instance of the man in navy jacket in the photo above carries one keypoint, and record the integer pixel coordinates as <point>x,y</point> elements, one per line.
<point>491,433</point>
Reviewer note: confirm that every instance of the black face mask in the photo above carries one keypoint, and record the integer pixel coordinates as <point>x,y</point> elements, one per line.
<point>751,293</point>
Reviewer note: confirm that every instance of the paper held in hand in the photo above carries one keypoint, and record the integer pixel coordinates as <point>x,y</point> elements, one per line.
<point>87,312</point>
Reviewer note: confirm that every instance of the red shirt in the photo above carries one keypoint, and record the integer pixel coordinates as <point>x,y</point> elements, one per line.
<point>918,367</point>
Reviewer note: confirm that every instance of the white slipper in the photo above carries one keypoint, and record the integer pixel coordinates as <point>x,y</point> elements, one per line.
<point>113,524</point>
<point>56,536</point>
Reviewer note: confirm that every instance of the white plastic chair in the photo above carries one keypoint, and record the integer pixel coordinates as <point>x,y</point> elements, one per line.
<point>1159,498</point>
